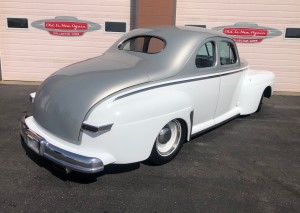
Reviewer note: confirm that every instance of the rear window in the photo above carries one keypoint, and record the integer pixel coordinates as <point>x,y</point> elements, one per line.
<point>145,44</point>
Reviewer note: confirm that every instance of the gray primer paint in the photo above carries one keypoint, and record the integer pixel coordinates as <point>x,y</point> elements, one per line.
<point>64,99</point>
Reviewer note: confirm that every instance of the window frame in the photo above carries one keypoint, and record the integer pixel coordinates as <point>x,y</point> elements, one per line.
<point>124,42</point>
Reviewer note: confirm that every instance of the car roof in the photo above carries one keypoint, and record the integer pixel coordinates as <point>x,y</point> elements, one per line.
<point>181,44</point>
<point>167,32</point>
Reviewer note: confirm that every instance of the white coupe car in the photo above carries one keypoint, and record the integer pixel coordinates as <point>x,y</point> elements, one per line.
<point>142,99</point>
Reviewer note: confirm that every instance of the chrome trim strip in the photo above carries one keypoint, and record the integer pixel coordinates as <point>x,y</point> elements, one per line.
<point>57,155</point>
<point>180,82</point>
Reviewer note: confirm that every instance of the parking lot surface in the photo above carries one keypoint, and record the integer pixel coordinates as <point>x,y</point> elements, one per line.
<point>250,164</point>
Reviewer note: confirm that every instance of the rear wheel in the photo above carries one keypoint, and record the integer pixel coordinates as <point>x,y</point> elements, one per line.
<point>168,142</point>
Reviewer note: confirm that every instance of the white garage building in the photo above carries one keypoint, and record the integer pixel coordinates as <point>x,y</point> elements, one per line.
<point>37,37</point>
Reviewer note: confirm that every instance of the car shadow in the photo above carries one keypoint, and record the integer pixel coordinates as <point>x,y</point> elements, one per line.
<point>76,176</point>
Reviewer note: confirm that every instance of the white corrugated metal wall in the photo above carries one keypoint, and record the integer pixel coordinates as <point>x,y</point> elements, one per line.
<point>282,56</point>
<point>32,54</point>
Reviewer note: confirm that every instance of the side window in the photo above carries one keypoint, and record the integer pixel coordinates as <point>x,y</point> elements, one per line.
<point>206,56</point>
<point>145,44</point>
<point>136,44</point>
<point>227,53</point>
<point>155,45</point>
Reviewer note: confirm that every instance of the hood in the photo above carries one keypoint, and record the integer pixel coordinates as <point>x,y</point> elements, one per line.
<point>63,99</point>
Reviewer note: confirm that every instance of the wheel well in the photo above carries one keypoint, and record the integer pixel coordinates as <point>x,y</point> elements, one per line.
<point>184,125</point>
<point>268,92</point>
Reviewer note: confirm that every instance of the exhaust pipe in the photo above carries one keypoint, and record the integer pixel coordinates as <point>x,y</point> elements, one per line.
<point>61,169</point>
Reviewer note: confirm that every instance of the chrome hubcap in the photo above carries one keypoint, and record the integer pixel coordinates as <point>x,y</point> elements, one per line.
<point>168,138</point>
<point>164,135</point>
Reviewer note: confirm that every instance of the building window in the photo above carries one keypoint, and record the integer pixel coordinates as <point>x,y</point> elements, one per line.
<point>292,32</point>
<point>115,26</point>
<point>227,53</point>
<point>206,55</point>
<point>17,22</point>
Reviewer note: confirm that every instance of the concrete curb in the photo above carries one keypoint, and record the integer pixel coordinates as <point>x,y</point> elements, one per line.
<point>21,82</point>
<point>286,93</point>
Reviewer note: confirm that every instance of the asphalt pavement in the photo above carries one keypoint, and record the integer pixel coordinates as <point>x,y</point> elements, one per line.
<point>250,164</point>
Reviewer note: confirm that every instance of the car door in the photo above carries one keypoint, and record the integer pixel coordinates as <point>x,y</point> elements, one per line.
<point>230,82</point>
<point>206,88</point>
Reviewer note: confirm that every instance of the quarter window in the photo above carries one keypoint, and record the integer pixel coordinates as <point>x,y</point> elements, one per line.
<point>145,44</point>
<point>227,53</point>
<point>206,55</point>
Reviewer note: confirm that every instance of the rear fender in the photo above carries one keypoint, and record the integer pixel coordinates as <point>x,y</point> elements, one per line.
<point>137,120</point>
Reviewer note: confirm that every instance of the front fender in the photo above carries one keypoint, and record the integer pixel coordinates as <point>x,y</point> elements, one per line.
<point>255,82</point>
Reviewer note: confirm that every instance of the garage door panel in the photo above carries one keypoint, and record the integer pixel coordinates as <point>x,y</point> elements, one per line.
<point>33,54</point>
<point>282,56</point>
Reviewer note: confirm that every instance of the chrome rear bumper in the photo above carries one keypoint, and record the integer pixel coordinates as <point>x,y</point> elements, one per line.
<point>69,160</point>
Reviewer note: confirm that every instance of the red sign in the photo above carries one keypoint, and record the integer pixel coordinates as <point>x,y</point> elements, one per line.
<point>66,25</point>
<point>248,32</point>
<point>245,32</point>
